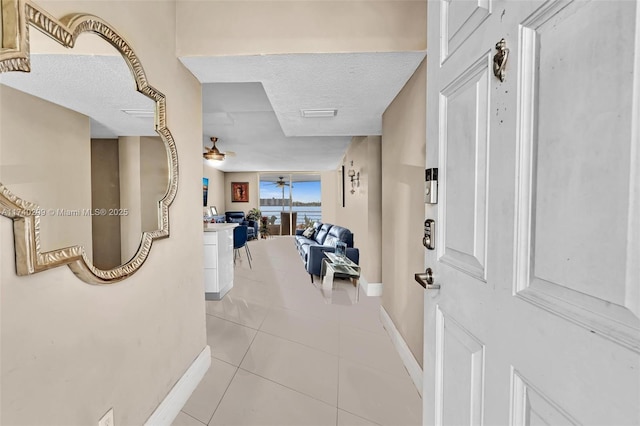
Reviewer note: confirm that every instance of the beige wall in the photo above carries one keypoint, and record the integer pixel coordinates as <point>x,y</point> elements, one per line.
<point>137,190</point>
<point>269,27</point>
<point>373,174</point>
<point>70,351</point>
<point>144,176</point>
<point>47,161</point>
<point>105,194</point>
<point>254,191</point>
<point>331,199</point>
<point>154,179</point>
<point>404,141</point>
<point>362,211</point>
<point>130,197</point>
<point>217,187</point>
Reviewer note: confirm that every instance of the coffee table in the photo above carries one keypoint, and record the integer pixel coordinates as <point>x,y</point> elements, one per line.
<point>333,264</point>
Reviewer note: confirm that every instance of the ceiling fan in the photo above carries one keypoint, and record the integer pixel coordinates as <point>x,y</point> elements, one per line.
<point>214,153</point>
<point>281,183</point>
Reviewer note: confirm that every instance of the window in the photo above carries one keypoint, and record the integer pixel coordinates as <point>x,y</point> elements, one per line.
<point>287,195</point>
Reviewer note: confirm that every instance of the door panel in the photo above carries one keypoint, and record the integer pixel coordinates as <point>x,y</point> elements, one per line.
<point>537,319</point>
<point>458,20</point>
<point>563,196</point>
<point>576,173</point>
<point>460,356</point>
<point>531,407</point>
<point>464,125</point>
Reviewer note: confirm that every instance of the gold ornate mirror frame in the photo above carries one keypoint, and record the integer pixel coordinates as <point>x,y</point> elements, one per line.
<point>16,16</point>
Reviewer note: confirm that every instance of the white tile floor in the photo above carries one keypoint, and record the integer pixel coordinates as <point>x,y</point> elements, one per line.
<point>282,355</point>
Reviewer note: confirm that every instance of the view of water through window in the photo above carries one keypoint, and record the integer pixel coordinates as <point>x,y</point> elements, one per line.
<point>286,194</point>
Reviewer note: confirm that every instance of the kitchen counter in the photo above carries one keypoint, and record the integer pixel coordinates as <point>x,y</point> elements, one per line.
<point>213,227</point>
<point>218,259</point>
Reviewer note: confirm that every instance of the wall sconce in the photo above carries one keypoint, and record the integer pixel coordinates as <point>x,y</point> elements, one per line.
<point>355,179</point>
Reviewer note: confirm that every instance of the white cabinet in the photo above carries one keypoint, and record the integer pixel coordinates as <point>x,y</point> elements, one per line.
<point>218,260</point>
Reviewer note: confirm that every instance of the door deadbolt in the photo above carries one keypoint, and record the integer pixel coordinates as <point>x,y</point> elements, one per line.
<point>429,234</point>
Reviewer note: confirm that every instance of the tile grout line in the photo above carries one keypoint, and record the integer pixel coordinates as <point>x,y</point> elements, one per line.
<point>223,394</point>
<point>234,322</point>
<point>269,309</point>
<point>248,348</point>
<point>250,299</point>
<point>286,387</point>
<point>299,343</point>
<point>306,314</point>
<point>360,417</point>
<point>198,420</point>
<point>338,402</point>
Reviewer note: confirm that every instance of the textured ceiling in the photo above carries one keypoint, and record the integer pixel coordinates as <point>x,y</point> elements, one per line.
<point>97,86</point>
<point>253,103</point>
<point>240,115</point>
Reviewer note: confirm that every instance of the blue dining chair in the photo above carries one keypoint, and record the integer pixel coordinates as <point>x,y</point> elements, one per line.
<point>240,235</point>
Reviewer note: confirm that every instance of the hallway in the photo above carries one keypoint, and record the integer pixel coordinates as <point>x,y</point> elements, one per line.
<point>282,356</point>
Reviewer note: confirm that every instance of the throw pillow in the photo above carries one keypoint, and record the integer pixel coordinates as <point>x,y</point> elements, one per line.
<point>308,233</point>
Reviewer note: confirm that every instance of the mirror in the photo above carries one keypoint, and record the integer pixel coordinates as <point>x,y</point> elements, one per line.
<point>89,180</point>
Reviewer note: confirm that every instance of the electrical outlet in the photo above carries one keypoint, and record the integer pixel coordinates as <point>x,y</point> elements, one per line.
<point>107,419</point>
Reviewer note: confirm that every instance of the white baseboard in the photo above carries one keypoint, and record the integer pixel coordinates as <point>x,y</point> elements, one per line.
<point>370,289</point>
<point>220,294</point>
<point>170,407</point>
<point>406,355</point>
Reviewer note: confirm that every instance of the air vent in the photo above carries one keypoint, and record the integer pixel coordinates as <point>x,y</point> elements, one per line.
<point>318,113</point>
<point>140,113</point>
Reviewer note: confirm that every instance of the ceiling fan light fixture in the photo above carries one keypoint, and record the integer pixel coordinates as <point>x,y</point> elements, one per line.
<point>281,183</point>
<point>318,113</point>
<point>213,153</point>
<point>216,156</point>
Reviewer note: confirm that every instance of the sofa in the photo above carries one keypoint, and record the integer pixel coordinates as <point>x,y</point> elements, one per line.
<point>324,239</point>
<point>239,217</point>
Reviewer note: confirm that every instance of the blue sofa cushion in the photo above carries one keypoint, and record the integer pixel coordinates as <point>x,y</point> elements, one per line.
<point>304,250</point>
<point>322,233</point>
<point>338,234</point>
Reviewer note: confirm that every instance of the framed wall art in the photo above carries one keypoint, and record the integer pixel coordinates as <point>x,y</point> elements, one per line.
<point>240,192</point>
<point>205,191</point>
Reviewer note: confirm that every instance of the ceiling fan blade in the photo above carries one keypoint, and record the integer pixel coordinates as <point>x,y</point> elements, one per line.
<point>230,153</point>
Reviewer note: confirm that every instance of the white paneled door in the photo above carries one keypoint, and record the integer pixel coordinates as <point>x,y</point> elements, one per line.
<point>537,320</point>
